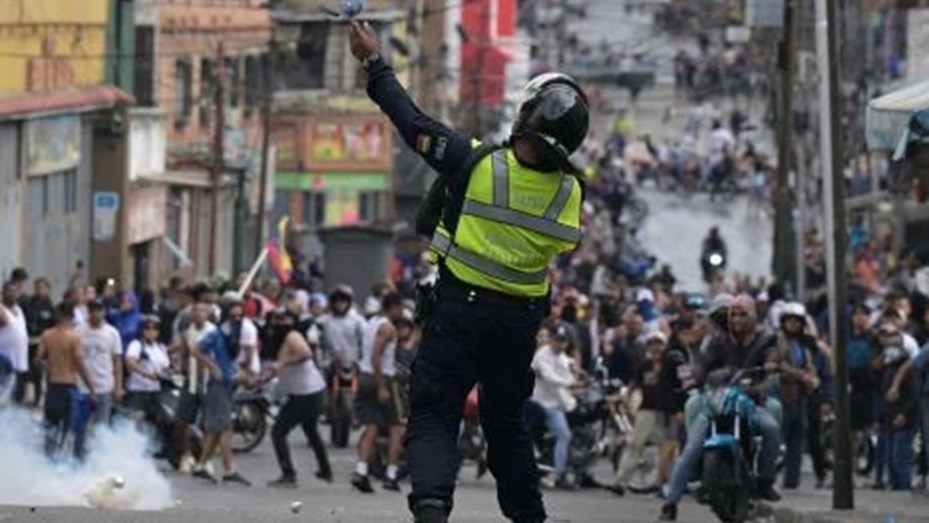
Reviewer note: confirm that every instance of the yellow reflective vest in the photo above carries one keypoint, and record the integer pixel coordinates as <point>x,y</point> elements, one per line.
<point>514,222</point>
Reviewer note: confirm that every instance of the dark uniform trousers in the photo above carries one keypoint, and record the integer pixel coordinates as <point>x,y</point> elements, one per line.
<point>466,342</point>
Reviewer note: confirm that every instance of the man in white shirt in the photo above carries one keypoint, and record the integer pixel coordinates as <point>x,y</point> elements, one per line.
<point>103,353</point>
<point>553,381</point>
<point>720,145</point>
<point>14,336</point>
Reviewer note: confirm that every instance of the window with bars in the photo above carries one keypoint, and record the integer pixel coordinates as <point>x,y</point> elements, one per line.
<point>183,86</point>
<point>207,87</point>
<point>233,81</point>
<point>254,78</point>
<point>144,65</point>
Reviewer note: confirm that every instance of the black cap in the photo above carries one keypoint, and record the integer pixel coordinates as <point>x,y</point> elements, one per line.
<point>561,333</point>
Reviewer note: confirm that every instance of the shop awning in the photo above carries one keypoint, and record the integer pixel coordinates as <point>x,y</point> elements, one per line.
<point>64,101</point>
<point>889,116</point>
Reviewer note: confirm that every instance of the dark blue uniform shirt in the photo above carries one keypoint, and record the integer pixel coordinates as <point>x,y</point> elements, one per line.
<point>442,148</point>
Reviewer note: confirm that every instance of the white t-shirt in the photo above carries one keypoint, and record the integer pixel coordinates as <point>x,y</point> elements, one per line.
<point>388,358</point>
<point>720,143</point>
<point>101,345</point>
<point>192,337</point>
<point>553,379</point>
<point>248,337</point>
<point>14,338</point>
<point>155,362</point>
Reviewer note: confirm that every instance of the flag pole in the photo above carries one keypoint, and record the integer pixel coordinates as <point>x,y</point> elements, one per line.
<point>254,271</point>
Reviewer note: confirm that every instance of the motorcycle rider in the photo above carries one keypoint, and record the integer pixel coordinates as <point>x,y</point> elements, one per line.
<point>721,144</point>
<point>302,386</point>
<point>713,255</point>
<point>744,346</point>
<point>343,331</point>
<point>793,359</point>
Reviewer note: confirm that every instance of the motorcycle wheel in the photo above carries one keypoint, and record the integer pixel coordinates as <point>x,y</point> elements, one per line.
<point>726,495</point>
<point>249,426</point>
<point>341,423</point>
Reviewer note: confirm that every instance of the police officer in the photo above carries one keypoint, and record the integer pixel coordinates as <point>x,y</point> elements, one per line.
<point>519,209</point>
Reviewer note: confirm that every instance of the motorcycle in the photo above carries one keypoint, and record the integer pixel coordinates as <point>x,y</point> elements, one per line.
<point>729,475</point>
<point>164,417</point>
<point>713,263</point>
<point>250,413</point>
<point>471,442</point>
<point>588,436</point>
<point>342,389</point>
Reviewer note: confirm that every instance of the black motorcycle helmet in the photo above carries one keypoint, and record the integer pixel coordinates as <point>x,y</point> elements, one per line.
<point>555,116</point>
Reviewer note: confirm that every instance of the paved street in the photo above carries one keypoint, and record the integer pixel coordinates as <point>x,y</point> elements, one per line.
<point>337,503</point>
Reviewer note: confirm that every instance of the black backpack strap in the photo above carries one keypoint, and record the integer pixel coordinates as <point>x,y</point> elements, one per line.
<point>445,198</point>
<point>457,190</point>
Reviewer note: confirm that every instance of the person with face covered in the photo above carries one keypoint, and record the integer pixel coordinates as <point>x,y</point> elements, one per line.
<point>793,359</point>
<point>302,388</point>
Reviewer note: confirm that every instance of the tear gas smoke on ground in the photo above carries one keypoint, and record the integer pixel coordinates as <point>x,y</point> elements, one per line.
<point>118,473</point>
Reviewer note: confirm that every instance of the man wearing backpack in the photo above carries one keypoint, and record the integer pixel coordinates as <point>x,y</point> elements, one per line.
<point>506,214</point>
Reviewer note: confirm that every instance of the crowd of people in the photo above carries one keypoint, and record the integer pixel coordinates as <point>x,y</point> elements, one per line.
<point>99,355</point>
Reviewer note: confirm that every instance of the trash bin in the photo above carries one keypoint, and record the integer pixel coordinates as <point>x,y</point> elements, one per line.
<point>356,255</point>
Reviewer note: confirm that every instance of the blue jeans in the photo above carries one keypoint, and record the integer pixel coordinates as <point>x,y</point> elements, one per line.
<point>683,471</point>
<point>898,450</point>
<point>86,412</point>
<point>557,423</point>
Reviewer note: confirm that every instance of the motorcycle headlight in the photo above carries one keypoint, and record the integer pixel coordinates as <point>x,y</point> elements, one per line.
<point>716,259</point>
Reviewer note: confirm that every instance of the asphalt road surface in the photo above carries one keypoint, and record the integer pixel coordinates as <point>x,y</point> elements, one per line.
<point>201,502</point>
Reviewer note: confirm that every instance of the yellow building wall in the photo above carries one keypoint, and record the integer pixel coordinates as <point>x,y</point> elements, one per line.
<point>52,44</point>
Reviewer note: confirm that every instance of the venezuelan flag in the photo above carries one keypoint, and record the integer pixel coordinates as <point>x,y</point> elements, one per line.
<point>278,256</point>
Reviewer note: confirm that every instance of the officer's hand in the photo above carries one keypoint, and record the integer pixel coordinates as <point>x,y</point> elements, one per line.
<point>362,40</point>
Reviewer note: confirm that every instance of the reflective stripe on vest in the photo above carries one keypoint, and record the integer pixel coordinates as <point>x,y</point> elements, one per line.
<point>501,179</point>
<point>501,212</point>
<point>526,221</point>
<point>445,246</point>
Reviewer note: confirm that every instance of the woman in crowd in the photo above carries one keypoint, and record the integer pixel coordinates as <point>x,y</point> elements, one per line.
<point>147,362</point>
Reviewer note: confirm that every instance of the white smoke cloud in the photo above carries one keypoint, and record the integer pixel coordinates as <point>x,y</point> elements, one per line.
<point>30,479</point>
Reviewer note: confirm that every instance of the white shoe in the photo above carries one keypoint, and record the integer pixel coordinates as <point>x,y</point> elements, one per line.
<point>187,464</point>
<point>209,468</point>
<point>548,482</point>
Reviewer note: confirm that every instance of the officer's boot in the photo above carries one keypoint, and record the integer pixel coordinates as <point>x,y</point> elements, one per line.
<point>430,511</point>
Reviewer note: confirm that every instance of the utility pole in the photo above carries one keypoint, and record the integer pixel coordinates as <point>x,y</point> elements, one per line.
<point>827,27</point>
<point>787,58</point>
<point>266,106</point>
<point>218,138</point>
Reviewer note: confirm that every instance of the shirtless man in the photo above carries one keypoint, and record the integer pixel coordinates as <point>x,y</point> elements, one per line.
<point>62,354</point>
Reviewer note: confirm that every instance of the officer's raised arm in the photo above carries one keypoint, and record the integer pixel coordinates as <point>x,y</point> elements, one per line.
<point>444,149</point>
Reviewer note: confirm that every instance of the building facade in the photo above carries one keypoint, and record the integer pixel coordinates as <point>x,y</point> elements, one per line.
<point>186,52</point>
<point>58,126</point>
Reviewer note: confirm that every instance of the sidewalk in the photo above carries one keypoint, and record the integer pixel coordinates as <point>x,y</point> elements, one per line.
<point>870,507</point>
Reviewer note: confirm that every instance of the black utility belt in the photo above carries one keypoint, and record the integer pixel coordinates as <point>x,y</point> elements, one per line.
<point>488,298</point>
